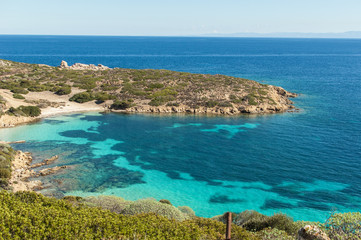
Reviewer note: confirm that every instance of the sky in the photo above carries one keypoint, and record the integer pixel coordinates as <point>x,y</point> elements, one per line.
<point>177,17</point>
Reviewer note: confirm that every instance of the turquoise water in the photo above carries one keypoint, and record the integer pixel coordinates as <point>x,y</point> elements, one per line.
<point>304,164</point>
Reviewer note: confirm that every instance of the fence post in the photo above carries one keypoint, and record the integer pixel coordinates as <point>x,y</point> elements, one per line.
<point>229,223</point>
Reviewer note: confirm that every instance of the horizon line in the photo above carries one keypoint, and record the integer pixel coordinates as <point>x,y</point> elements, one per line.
<point>209,35</point>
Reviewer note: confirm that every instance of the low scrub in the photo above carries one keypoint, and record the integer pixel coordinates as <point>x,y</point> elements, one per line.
<point>64,90</point>
<point>121,105</point>
<point>6,157</point>
<point>344,226</point>
<point>18,96</point>
<point>28,215</point>
<point>82,97</point>
<point>153,206</point>
<point>26,111</point>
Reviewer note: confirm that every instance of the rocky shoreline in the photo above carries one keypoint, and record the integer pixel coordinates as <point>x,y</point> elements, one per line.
<point>23,169</point>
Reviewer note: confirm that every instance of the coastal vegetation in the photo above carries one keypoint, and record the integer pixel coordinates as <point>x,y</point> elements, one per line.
<point>28,215</point>
<point>26,111</point>
<point>147,89</point>
<point>7,155</point>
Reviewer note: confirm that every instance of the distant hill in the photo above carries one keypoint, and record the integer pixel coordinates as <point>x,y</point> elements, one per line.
<point>350,34</point>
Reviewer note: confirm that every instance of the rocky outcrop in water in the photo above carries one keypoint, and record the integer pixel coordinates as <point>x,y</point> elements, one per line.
<point>45,162</point>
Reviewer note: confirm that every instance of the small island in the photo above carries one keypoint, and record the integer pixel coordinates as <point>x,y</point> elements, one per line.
<point>83,87</point>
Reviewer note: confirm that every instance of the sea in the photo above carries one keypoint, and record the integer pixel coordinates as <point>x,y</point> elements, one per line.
<point>306,164</point>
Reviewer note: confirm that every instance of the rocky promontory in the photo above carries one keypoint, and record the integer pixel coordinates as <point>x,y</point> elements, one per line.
<point>82,87</point>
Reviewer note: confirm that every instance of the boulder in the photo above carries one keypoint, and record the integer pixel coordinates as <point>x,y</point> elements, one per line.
<point>310,232</point>
<point>63,64</point>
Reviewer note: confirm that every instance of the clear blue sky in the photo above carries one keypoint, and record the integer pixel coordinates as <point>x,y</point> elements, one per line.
<point>177,17</point>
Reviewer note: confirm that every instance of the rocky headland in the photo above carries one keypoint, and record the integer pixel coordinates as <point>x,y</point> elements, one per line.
<point>83,87</point>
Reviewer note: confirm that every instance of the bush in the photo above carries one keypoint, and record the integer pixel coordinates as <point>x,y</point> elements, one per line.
<point>4,182</point>
<point>165,201</point>
<point>19,90</point>
<point>5,173</point>
<point>274,234</point>
<point>255,221</point>
<point>30,111</point>
<point>211,104</point>
<point>65,90</point>
<point>4,163</point>
<point>18,96</point>
<point>224,104</point>
<point>120,105</point>
<point>152,206</point>
<point>187,211</point>
<point>344,225</point>
<point>14,112</point>
<point>111,203</point>
<point>82,97</point>
<point>37,88</point>
<point>103,96</point>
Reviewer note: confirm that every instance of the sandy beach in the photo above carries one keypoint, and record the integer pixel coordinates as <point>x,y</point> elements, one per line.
<point>57,105</point>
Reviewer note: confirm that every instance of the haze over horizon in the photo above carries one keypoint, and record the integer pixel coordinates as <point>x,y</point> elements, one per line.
<point>173,18</point>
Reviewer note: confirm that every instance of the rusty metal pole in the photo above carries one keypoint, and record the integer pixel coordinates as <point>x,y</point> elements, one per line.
<point>229,223</point>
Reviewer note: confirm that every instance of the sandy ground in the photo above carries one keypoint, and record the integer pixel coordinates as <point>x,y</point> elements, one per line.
<point>65,106</point>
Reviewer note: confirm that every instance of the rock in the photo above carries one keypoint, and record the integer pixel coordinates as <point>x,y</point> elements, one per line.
<point>310,232</point>
<point>81,66</point>
<point>49,171</point>
<point>63,64</point>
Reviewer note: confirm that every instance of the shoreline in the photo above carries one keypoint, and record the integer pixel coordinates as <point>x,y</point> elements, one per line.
<point>59,105</point>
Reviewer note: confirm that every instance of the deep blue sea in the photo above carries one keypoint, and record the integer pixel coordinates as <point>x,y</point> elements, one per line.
<point>305,164</point>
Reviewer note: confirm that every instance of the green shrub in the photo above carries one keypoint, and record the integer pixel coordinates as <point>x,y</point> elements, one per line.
<point>251,100</point>
<point>111,203</point>
<point>82,97</point>
<point>30,111</point>
<point>165,201</point>
<point>18,96</point>
<point>4,182</point>
<point>5,173</point>
<point>14,112</point>
<point>72,198</point>
<point>103,96</point>
<point>173,104</point>
<point>120,105</point>
<point>344,225</point>
<point>19,90</point>
<point>255,221</point>
<point>4,163</point>
<point>211,104</point>
<point>283,222</point>
<point>37,88</point>
<point>274,234</point>
<point>187,211</point>
<point>224,104</point>
<point>65,90</point>
<point>156,85</point>
<point>152,206</point>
